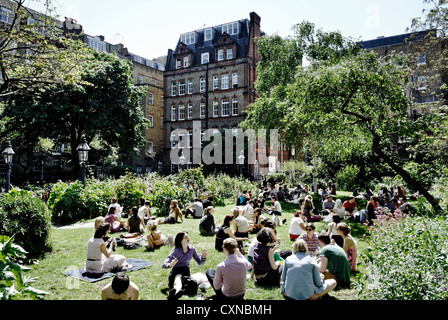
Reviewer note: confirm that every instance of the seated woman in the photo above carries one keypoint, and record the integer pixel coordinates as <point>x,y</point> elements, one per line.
<point>266,270</point>
<point>225,231</point>
<point>99,258</point>
<point>311,239</point>
<point>155,238</point>
<point>308,209</point>
<point>255,224</point>
<point>349,244</point>
<point>135,224</point>
<point>301,278</point>
<point>115,224</point>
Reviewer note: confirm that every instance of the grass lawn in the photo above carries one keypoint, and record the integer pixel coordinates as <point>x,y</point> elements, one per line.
<point>70,245</point>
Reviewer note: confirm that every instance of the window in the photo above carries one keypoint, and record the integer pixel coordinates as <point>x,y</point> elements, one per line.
<point>231,28</point>
<point>151,98</point>
<point>229,53</point>
<point>190,111</point>
<point>151,121</point>
<point>421,83</point>
<point>140,79</point>
<point>150,147</point>
<point>225,108</point>
<point>181,88</point>
<point>96,44</point>
<point>173,89</point>
<point>186,62</point>
<point>208,34</point>
<point>220,54</point>
<point>182,139</point>
<point>234,107</point>
<point>188,38</point>
<point>225,82</point>
<point>182,112</point>
<point>6,15</point>
<point>190,86</point>
<point>421,60</point>
<point>205,58</point>
<point>173,113</point>
<point>234,79</point>
<point>173,139</point>
<point>202,110</point>
<point>215,109</point>
<point>202,85</point>
<point>178,63</point>
<point>190,139</point>
<point>161,122</point>
<point>215,83</point>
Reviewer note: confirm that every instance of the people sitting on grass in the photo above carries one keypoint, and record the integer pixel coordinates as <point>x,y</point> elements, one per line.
<point>255,224</point>
<point>179,258</point>
<point>333,261</point>
<point>121,288</point>
<point>225,231</point>
<point>309,210</point>
<point>241,227</point>
<point>328,205</point>
<point>266,271</point>
<point>297,226</point>
<point>155,237</point>
<point>175,213</point>
<point>301,278</point>
<point>351,207</point>
<point>276,207</point>
<point>196,210</point>
<point>311,239</point>
<point>333,230</point>
<point>349,244</point>
<point>114,203</point>
<point>229,279</point>
<point>99,257</point>
<point>135,223</point>
<point>143,211</point>
<point>115,224</point>
<point>207,225</point>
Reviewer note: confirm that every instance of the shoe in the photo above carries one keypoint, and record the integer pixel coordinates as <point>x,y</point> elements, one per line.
<point>283,221</point>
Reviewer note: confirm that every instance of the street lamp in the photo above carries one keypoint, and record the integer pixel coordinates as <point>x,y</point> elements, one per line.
<point>182,161</point>
<point>83,153</point>
<point>7,157</point>
<point>241,161</point>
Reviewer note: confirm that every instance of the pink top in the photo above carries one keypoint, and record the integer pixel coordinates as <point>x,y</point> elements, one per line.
<point>230,275</point>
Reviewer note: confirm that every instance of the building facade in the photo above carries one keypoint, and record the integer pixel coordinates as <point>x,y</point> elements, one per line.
<point>209,82</point>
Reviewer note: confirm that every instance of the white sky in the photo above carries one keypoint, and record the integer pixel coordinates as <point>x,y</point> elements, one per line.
<point>150,27</point>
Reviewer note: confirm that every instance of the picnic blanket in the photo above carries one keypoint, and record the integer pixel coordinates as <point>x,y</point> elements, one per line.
<point>81,274</point>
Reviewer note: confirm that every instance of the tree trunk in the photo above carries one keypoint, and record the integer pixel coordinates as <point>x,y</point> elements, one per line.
<point>413,183</point>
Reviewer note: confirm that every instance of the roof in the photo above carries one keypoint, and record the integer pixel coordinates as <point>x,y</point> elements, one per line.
<point>394,40</point>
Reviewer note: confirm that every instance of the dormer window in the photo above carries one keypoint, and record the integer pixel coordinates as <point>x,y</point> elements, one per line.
<point>231,28</point>
<point>208,34</point>
<point>188,38</point>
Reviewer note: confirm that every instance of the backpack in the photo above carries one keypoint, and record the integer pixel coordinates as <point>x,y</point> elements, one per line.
<point>189,285</point>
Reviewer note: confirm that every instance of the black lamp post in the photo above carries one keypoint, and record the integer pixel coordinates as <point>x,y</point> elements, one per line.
<point>7,157</point>
<point>83,153</point>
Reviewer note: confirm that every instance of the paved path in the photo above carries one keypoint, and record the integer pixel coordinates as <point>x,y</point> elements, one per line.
<point>77,225</point>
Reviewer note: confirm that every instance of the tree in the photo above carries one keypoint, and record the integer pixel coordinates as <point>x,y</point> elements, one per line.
<point>104,105</point>
<point>345,92</point>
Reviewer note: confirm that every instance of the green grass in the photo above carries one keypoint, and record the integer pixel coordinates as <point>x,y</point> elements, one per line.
<point>69,252</point>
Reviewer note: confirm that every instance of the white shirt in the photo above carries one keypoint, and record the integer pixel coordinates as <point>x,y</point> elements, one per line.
<point>295,227</point>
<point>277,206</point>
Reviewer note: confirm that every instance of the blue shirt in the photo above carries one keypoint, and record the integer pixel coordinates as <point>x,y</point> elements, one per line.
<point>301,277</point>
<point>183,259</point>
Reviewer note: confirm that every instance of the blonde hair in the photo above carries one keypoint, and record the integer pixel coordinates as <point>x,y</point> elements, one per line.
<point>345,228</point>
<point>98,221</point>
<point>299,246</point>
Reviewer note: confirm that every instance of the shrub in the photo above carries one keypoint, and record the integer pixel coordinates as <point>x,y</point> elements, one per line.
<point>407,259</point>
<point>129,189</point>
<point>13,284</point>
<point>27,218</point>
<point>66,203</point>
<point>164,191</point>
<point>346,177</point>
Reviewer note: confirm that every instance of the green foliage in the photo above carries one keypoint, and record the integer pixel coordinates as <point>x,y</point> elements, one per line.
<point>164,191</point>
<point>407,259</point>
<point>276,177</point>
<point>298,172</point>
<point>223,187</point>
<point>193,178</point>
<point>129,189</point>
<point>26,217</point>
<point>347,177</point>
<point>14,285</point>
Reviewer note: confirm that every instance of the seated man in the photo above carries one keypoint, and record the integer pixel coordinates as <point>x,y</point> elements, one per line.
<point>121,288</point>
<point>207,224</point>
<point>229,279</point>
<point>328,205</point>
<point>195,209</point>
<point>351,207</point>
<point>333,262</point>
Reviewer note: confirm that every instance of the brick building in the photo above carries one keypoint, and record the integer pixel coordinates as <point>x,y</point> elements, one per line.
<point>209,81</point>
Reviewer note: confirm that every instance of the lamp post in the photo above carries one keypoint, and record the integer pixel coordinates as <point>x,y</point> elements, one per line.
<point>7,157</point>
<point>83,153</point>
<point>182,161</point>
<point>241,161</point>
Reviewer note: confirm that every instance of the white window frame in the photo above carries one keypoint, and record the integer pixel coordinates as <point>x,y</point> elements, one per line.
<point>190,86</point>
<point>151,120</point>
<point>229,53</point>
<point>150,147</point>
<point>190,139</point>
<point>202,85</point>
<point>202,110</point>
<point>215,83</point>
<point>220,54</point>
<point>6,15</point>
<point>188,38</point>
<point>190,111</point>
<point>234,79</point>
<point>205,58</point>
<point>182,88</point>
<point>173,89</point>
<point>151,98</point>
<point>186,62</point>
<point>215,109</point>
<point>224,81</point>
<point>181,112</point>
<point>225,112</point>
<point>208,34</point>
<point>173,113</point>
<point>178,63</point>
<point>231,28</point>
<point>234,106</point>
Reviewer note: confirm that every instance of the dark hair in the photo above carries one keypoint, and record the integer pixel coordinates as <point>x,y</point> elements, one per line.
<point>227,219</point>
<point>141,201</point>
<point>324,237</point>
<point>269,224</point>
<point>264,236</point>
<point>102,230</point>
<point>112,210</point>
<point>134,210</point>
<point>147,202</point>
<point>336,218</point>
<point>120,283</point>
<point>179,238</point>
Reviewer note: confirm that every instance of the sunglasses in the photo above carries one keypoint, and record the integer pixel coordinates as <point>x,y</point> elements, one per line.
<point>309,229</point>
